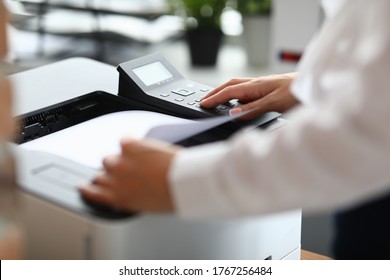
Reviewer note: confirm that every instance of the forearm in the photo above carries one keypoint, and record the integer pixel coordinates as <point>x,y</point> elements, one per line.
<point>316,163</point>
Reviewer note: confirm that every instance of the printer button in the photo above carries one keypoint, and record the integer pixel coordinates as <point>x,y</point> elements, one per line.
<point>183,92</point>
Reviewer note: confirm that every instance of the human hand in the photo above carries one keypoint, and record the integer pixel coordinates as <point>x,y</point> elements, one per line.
<point>137,179</point>
<point>261,95</point>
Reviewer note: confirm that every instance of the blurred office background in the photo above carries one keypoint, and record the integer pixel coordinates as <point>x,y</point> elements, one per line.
<point>247,37</point>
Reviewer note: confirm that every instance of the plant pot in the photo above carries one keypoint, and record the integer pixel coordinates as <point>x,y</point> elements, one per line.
<point>257,39</point>
<point>204,46</point>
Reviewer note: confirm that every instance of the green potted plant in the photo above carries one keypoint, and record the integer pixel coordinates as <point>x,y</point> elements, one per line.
<point>256,19</point>
<point>254,7</point>
<point>203,28</point>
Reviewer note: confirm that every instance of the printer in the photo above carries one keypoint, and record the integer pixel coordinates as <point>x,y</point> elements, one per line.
<point>59,224</point>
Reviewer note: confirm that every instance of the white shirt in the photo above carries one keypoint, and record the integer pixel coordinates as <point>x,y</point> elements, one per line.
<point>334,152</point>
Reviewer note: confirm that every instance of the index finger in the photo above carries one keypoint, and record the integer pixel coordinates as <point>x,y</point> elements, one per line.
<point>241,91</point>
<point>231,82</point>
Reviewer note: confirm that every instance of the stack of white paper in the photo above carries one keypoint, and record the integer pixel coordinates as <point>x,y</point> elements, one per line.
<point>89,142</point>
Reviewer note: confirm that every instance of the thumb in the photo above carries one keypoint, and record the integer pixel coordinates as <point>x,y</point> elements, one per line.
<point>253,109</point>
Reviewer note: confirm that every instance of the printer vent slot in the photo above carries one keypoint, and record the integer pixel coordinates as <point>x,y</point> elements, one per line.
<point>42,124</point>
<point>66,114</point>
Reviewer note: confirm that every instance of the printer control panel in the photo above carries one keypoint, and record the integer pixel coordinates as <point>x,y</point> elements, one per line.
<point>152,79</point>
<point>189,95</point>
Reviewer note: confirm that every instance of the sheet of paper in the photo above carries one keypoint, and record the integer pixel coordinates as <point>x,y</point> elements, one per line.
<point>89,142</point>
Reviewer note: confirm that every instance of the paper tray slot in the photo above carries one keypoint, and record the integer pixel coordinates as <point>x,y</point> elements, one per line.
<point>66,114</point>
<point>51,119</point>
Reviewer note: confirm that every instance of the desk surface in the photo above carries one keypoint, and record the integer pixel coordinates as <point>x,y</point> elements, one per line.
<point>307,255</point>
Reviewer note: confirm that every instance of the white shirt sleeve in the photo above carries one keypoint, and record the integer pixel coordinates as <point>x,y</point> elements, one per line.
<point>331,7</point>
<point>333,153</point>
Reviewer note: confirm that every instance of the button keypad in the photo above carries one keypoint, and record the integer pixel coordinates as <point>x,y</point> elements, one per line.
<point>183,92</point>
<point>189,96</point>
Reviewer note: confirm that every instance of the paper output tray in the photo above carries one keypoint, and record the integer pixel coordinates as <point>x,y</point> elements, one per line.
<point>54,118</point>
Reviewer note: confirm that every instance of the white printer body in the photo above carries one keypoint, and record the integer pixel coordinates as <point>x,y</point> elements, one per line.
<point>59,224</point>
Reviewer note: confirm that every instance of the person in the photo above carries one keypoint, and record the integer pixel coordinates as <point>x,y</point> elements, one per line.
<point>333,154</point>
<point>10,234</point>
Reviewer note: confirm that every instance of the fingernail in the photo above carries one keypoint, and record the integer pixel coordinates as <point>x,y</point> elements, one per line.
<point>235,111</point>
<point>110,161</point>
<point>86,188</point>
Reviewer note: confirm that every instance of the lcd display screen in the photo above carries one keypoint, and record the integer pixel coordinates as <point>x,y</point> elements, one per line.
<point>152,73</point>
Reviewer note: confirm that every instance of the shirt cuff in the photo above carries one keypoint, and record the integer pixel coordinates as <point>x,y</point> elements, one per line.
<point>196,194</point>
